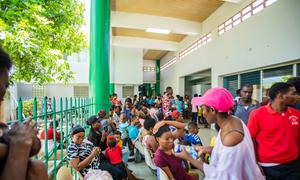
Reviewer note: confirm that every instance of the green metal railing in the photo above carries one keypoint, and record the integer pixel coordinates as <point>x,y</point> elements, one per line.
<point>72,111</point>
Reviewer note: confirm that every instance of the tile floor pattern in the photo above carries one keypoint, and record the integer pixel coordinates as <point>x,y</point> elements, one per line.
<point>141,170</point>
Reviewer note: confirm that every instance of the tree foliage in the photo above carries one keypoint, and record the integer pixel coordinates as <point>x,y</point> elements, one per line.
<point>38,33</point>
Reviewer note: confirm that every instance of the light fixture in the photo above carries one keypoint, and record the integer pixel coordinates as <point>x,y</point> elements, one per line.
<point>156,30</point>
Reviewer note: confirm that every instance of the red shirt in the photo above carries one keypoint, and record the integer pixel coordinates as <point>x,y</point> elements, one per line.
<point>114,154</point>
<point>116,102</point>
<point>276,134</point>
<point>50,134</point>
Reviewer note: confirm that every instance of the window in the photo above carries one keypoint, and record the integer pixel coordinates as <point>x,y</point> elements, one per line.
<point>128,91</point>
<point>38,91</point>
<point>231,84</point>
<point>81,91</point>
<point>271,76</point>
<point>168,64</point>
<point>298,69</point>
<point>247,12</point>
<point>201,42</point>
<point>252,78</point>
<point>148,69</point>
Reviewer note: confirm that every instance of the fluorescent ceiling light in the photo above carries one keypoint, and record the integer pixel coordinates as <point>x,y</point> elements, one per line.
<point>155,30</point>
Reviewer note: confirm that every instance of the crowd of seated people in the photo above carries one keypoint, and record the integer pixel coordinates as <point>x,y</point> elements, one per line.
<point>254,140</point>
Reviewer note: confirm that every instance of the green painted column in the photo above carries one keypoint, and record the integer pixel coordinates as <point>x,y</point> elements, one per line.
<point>157,84</point>
<point>99,53</point>
<point>149,90</point>
<point>111,88</point>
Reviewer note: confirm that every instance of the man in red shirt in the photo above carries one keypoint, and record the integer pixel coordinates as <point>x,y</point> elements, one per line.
<point>275,129</point>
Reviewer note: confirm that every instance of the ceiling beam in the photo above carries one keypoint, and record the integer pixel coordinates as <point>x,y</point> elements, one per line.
<point>142,21</point>
<point>144,43</point>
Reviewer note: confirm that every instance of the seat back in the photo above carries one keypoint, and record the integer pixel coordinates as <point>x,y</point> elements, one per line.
<point>162,175</point>
<point>148,159</point>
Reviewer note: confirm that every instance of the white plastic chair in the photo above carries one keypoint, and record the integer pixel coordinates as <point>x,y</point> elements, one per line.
<point>161,174</point>
<point>148,159</point>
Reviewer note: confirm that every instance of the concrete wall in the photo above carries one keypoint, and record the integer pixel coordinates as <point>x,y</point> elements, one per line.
<point>149,77</point>
<point>59,90</point>
<point>24,91</point>
<point>119,90</point>
<point>267,38</point>
<point>128,63</point>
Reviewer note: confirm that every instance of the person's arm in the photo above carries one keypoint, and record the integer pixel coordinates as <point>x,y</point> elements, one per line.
<point>180,128</point>
<point>78,165</point>
<point>185,155</point>
<point>178,133</point>
<point>21,140</point>
<point>168,172</point>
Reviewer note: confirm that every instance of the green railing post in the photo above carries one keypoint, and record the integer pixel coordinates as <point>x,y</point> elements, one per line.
<point>46,133</point>
<point>83,112</point>
<point>67,126</point>
<point>35,116</point>
<point>20,110</point>
<point>61,128</point>
<point>54,135</point>
<point>75,110</point>
<point>79,111</point>
<point>71,112</point>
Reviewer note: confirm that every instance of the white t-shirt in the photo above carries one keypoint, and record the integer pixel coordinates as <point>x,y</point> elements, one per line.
<point>233,163</point>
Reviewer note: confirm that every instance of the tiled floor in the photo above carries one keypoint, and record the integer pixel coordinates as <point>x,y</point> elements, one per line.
<point>141,170</point>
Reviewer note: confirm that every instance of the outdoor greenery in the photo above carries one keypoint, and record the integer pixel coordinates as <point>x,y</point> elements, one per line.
<point>38,33</point>
<point>28,107</point>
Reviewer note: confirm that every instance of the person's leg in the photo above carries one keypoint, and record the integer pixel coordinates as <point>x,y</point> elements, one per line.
<point>205,122</point>
<point>122,167</point>
<point>291,171</point>
<point>131,147</point>
<point>271,173</point>
<point>125,154</point>
<point>36,170</point>
<point>113,171</point>
<point>124,142</point>
<point>194,117</point>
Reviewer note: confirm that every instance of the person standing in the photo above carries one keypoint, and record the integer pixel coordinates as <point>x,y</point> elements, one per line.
<point>245,105</point>
<point>166,102</point>
<point>232,157</point>
<point>275,129</point>
<point>194,110</point>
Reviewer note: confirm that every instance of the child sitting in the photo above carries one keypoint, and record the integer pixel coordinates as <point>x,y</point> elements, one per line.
<point>133,130</point>
<point>149,140</point>
<point>114,154</point>
<point>125,151</point>
<point>192,138</point>
<point>123,128</point>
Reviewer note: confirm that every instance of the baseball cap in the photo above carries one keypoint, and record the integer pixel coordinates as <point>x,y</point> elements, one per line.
<point>218,98</point>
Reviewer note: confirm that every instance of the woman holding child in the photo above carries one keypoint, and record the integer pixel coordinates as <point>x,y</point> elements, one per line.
<point>83,155</point>
<point>233,154</point>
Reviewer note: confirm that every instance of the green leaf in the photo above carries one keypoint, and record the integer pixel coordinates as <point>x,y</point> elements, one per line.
<point>37,35</point>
